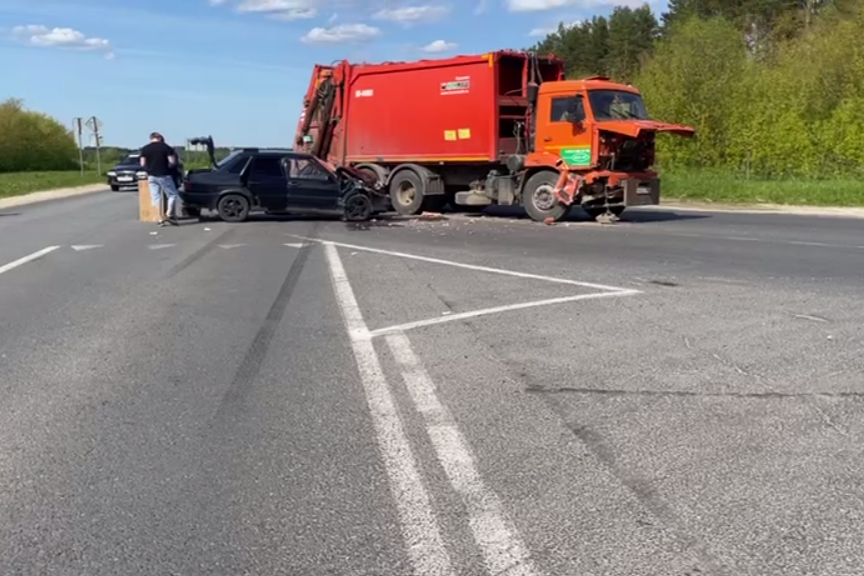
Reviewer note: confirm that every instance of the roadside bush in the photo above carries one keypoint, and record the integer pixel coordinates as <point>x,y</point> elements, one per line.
<point>31,141</point>
<point>796,111</point>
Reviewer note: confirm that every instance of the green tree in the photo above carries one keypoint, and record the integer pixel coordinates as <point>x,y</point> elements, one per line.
<point>31,141</point>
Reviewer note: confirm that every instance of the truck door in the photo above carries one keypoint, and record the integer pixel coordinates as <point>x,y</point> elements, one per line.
<point>562,129</point>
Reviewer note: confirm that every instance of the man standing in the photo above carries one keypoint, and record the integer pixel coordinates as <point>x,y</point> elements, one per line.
<point>159,159</point>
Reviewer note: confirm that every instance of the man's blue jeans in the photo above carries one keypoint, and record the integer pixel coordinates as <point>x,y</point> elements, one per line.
<point>164,185</point>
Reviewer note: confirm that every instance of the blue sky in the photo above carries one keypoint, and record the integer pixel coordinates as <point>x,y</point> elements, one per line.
<point>236,69</point>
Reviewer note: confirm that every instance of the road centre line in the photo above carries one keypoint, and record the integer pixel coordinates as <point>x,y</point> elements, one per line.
<point>26,259</point>
<point>498,539</point>
<point>420,527</point>
<point>495,310</point>
<point>474,267</point>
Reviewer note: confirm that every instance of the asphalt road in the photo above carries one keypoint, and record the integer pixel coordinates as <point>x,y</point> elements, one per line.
<point>676,395</point>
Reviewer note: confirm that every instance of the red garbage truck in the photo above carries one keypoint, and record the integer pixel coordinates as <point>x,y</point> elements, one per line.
<point>501,128</point>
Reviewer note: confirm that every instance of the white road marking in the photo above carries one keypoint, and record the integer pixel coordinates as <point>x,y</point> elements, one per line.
<point>82,247</point>
<point>160,246</point>
<point>419,525</point>
<point>496,310</point>
<point>230,246</point>
<point>26,259</point>
<point>497,537</point>
<point>474,267</point>
<point>295,245</point>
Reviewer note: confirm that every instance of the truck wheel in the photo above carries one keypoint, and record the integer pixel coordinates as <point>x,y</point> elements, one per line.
<point>595,212</point>
<point>406,193</point>
<point>539,199</point>
<point>233,208</point>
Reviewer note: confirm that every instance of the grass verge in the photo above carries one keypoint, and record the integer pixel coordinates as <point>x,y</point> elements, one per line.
<point>719,187</point>
<point>18,183</point>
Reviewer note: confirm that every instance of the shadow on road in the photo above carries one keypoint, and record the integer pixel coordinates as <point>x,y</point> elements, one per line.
<point>578,215</point>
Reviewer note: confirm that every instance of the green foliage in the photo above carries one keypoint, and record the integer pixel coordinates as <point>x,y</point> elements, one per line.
<point>612,46</point>
<point>774,88</point>
<point>18,183</point>
<point>722,186</point>
<point>32,141</point>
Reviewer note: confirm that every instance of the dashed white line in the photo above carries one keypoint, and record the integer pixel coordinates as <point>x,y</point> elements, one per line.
<point>498,539</point>
<point>420,528</point>
<point>21,261</point>
<point>502,547</point>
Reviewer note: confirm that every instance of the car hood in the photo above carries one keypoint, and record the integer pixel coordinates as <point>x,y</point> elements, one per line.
<point>635,127</point>
<point>126,168</point>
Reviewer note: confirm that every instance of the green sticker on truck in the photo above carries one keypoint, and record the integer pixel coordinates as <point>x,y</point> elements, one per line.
<point>577,156</point>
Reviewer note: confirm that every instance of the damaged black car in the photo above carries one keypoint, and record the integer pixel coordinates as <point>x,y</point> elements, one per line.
<point>275,181</point>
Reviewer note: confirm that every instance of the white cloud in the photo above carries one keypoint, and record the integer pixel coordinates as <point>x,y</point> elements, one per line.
<point>280,9</point>
<point>343,33</point>
<point>439,46</point>
<point>410,14</point>
<point>551,29</point>
<point>65,38</point>
<point>541,5</point>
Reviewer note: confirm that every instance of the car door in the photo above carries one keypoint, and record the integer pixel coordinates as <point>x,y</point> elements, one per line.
<point>267,180</point>
<point>310,186</point>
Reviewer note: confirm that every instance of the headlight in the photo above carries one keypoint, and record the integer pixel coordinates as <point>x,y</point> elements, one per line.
<point>141,174</point>
<point>111,173</point>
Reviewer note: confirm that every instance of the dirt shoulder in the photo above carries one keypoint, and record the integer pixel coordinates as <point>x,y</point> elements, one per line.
<point>46,195</point>
<point>841,212</point>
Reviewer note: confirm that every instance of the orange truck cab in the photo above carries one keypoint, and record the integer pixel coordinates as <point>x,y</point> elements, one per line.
<point>599,135</point>
<point>500,128</point>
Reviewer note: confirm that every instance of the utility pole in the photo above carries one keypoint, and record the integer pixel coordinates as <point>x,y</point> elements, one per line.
<point>78,127</point>
<point>95,125</point>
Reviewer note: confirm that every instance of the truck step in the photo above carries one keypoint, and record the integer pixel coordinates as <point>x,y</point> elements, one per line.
<point>472,199</point>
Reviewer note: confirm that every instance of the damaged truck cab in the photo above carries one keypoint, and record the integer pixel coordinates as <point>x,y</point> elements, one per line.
<point>598,135</point>
<point>501,128</point>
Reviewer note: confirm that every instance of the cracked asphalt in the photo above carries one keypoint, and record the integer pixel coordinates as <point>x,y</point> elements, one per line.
<point>236,399</point>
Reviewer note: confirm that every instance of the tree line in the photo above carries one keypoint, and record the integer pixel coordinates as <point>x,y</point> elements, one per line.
<point>31,141</point>
<point>773,87</point>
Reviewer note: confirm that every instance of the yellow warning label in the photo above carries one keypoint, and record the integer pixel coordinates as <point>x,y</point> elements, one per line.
<point>464,133</point>
<point>449,134</point>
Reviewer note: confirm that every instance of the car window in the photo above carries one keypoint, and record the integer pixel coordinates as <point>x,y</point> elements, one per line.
<point>305,169</point>
<point>267,168</point>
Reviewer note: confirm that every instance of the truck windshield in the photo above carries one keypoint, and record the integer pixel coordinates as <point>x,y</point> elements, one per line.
<point>617,105</point>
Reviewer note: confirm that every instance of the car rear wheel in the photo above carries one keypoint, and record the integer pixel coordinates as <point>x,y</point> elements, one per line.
<point>358,208</point>
<point>233,208</point>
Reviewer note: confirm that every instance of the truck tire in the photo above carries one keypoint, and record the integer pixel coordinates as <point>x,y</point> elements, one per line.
<point>538,198</point>
<point>406,193</point>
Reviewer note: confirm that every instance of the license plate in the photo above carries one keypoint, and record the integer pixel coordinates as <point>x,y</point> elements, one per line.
<point>124,179</point>
<point>642,190</point>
